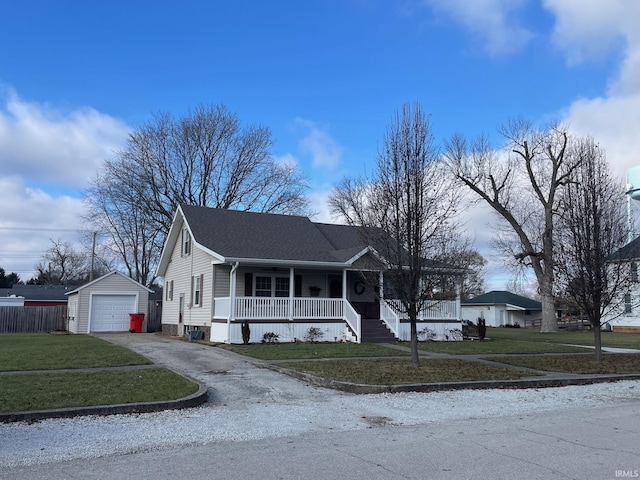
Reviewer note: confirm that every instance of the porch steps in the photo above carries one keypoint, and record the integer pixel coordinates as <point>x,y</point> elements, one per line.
<point>375,331</point>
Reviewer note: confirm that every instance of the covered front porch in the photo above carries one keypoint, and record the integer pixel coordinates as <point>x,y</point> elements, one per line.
<point>343,305</point>
<point>289,318</point>
<point>337,319</point>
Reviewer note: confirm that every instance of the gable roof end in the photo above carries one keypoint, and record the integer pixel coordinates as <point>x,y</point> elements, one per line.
<point>630,252</point>
<point>114,272</point>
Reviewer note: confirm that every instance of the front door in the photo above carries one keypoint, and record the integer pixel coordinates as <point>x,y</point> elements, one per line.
<point>335,285</point>
<point>181,315</point>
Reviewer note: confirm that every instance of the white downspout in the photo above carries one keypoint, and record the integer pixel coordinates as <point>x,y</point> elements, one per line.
<point>232,300</point>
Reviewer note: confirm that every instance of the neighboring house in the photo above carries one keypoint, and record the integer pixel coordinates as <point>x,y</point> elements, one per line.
<point>104,304</point>
<point>626,317</point>
<point>281,274</point>
<point>38,295</point>
<point>500,308</point>
<point>12,301</point>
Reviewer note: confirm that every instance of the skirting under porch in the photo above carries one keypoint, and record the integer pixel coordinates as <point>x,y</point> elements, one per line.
<point>285,331</point>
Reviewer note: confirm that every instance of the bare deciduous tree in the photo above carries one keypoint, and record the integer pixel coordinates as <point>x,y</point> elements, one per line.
<point>404,205</point>
<point>591,227</point>
<point>204,158</point>
<point>522,186</point>
<point>457,250</point>
<point>61,264</point>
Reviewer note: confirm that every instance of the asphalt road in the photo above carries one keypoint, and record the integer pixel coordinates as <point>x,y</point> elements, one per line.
<point>571,444</point>
<point>260,424</point>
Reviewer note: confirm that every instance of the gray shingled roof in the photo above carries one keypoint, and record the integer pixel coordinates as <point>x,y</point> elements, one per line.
<point>501,297</point>
<point>246,235</point>
<point>631,251</point>
<point>37,292</point>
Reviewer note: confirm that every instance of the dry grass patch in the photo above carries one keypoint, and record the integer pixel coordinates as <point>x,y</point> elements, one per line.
<point>394,371</point>
<point>613,363</point>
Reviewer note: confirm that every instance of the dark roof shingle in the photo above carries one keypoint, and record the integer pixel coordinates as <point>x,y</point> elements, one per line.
<point>237,234</point>
<point>501,297</point>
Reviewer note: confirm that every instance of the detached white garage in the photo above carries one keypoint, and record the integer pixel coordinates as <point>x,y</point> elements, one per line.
<point>104,304</point>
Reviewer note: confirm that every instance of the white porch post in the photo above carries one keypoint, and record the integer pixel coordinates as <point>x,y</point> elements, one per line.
<point>381,284</point>
<point>232,299</point>
<point>344,285</point>
<point>292,292</point>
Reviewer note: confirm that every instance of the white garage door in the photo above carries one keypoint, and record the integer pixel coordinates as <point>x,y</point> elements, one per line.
<point>110,313</point>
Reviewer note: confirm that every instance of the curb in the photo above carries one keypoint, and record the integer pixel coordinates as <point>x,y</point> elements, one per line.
<point>193,400</point>
<point>362,389</point>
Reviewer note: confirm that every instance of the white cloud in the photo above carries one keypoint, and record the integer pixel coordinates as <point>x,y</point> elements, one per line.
<point>614,122</point>
<point>324,150</point>
<point>44,145</point>
<point>47,216</point>
<point>494,21</point>
<point>587,30</point>
<point>287,160</point>
<point>319,201</point>
<point>44,150</point>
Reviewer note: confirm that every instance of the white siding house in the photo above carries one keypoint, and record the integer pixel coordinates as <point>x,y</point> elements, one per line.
<point>104,304</point>
<point>280,274</point>
<point>501,308</point>
<point>624,313</point>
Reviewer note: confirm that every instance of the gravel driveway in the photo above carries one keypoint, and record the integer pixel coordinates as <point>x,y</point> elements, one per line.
<point>247,402</point>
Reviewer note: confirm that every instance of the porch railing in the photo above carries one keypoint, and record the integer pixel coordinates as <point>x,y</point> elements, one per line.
<point>432,310</point>
<point>275,308</point>
<point>390,317</point>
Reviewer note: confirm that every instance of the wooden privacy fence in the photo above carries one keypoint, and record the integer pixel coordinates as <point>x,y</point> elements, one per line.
<point>154,316</point>
<point>33,319</point>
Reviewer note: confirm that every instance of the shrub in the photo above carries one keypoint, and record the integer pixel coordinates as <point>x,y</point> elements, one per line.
<point>270,337</point>
<point>313,334</point>
<point>426,334</point>
<point>246,332</point>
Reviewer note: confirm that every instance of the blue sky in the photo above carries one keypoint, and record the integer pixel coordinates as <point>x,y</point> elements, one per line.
<point>325,76</point>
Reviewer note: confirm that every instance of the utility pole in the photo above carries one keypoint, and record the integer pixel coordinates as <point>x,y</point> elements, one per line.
<point>93,255</point>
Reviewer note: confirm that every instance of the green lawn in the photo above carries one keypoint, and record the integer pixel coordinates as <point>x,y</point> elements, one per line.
<point>609,339</point>
<point>497,345</point>
<point>43,391</point>
<point>524,345</point>
<point>286,351</point>
<point>43,351</point>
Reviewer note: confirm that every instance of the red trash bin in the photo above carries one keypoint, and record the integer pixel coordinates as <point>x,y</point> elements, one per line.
<point>135,322</point>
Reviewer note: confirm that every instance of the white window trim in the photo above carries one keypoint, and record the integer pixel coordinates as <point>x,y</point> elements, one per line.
<point>197,282</point>
<point>186,242</point>
<point>273,285</point>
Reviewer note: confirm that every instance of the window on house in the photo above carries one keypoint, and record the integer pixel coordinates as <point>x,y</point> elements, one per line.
<point>263,286</point>
<point>282,287</point>
<point>271,286</point>
<point>186,242</point>
<point>170,290</point>
<point>627,303</point>
<point>197,291</point>
<point>634,272</point>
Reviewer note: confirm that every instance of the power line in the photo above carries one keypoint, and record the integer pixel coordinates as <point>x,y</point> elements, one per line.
<point>42,229</point>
